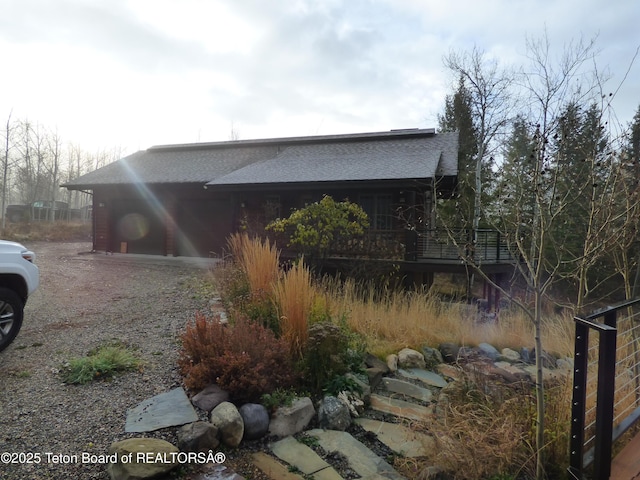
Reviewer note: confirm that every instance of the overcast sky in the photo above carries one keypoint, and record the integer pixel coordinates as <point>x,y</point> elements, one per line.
<point>136,73</point>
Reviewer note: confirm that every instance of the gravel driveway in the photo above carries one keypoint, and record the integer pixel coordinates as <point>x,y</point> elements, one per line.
<point>86,300</point>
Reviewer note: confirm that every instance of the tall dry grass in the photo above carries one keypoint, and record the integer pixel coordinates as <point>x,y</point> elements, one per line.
<point>259,260</point>
<point>294,296</point>
<point>394,319</point>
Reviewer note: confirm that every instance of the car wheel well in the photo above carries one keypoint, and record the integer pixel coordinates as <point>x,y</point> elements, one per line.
<point>15,283</point>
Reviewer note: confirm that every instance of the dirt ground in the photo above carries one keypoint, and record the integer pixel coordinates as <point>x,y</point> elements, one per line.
<point>84,301</point>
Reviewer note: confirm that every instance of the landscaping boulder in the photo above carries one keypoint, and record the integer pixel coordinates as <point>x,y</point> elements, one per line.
<point>198,437</point>
<point>256,420</point>
<point>509,355</point>
<point>409,358</point>
<point>210,398</point>
<point>489,351</point>
<point>333,414</point>
<point>432,356</point>
<point>449,352</point>
<point>158,456</point>
<point>289,420</point>
<point>229,422</point>
<point>526,356</point>
<point>372,361</point>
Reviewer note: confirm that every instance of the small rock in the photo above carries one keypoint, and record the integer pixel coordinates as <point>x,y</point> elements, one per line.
<point>333,414</point>
<point>409,358</point>
<point>450,371</point>
<point>508,355</point>
<point>293,419</point>
<point>229,422</point>
<point>125,470</point>
<point>198,437</point>
<point>353,401</point>
<point>210,398</point>
<point>256,420</point>
<point>392,362</point>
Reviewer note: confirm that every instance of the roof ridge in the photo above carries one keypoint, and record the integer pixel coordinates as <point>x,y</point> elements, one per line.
<point>391,134</point>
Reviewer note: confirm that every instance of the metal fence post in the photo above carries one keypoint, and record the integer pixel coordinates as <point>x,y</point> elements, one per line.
<point>579,398</point>
<point>605,401</point>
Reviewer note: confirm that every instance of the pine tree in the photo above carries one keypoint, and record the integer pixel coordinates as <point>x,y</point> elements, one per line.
<point>458,117</point>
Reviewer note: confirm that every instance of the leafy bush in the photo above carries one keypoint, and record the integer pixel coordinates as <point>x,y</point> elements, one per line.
<point>245,358</point>
<point>100,363</point>
<point>330,352</point>
<point>234,289</point>
<point>318,228</point>
<point>342,383</point>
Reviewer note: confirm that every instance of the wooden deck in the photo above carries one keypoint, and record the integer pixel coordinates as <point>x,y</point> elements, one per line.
<point>626,465</point>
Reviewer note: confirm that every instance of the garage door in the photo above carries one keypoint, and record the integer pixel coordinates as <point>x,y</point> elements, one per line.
<point>203,227</point>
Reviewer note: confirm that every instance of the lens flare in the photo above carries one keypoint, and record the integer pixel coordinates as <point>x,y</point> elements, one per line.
<point>133,226</point>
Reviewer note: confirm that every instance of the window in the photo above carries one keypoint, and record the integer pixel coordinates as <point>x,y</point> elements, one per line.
<point>379,209</point>
<point>272,207</point>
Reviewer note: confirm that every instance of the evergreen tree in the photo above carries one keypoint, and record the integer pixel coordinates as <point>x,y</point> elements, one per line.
<point>458,117</point>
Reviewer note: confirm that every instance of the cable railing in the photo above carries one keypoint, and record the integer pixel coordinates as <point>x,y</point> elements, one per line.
<point>454,244</point>
<point>606,387</point>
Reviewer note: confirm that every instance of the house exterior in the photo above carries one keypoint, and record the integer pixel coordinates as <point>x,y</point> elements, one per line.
<point>185,200</point>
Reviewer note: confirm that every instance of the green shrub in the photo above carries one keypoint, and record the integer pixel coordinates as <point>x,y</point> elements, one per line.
<point>331,351</point>
<point>280,397</point>
<point>102,362</point>
<point>318,228</point>
<point>245,285</point>
<point>245,358</point>
<point>342,383</point>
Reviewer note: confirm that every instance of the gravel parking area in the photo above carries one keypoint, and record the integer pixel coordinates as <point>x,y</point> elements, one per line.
<point>84,301</point>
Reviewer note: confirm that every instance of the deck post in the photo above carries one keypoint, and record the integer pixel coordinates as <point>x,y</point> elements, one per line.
<point>605,398</point>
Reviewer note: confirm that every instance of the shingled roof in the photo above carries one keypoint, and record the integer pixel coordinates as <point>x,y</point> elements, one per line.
<point>394,155</point>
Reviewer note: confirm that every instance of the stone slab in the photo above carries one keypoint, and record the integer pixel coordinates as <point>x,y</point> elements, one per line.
<point>361,459</point>
<point>408,389</point>
<point>400,408</point>
<point>450,371</point>
<point>273,468</point>
<point>169,409</point>
<point>300,456</point>
<point>425,376</point>
<point>399,438</point>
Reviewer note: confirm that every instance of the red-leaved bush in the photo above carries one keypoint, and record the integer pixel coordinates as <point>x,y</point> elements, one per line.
<point>245,359</point>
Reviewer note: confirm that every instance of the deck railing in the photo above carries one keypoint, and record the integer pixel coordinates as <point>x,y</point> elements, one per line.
<point>606,386</point>
<point>425,245</point>
<point>455,244</point>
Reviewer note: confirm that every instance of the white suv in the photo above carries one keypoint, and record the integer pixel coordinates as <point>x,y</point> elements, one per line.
<point>19,278</point>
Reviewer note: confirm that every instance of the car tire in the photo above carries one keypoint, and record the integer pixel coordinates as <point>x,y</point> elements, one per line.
<point>11,313</point>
